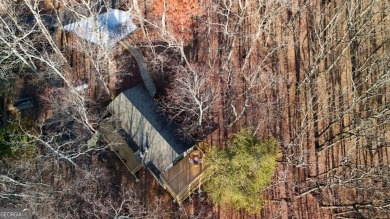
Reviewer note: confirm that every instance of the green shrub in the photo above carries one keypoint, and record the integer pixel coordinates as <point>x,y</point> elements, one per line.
<point>240,173</point>
<point>15,143</point>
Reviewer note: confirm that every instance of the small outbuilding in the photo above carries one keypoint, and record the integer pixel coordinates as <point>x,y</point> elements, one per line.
<point>105,29</point>
<point>100,40</point>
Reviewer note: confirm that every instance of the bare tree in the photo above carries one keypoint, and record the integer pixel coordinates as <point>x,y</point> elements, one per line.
<point>191,101</point>
<point>48,188</point>
<point>25,35</point>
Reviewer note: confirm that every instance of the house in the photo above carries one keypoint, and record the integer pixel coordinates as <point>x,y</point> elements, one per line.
<point>173,160</point>
<point>139,135</point>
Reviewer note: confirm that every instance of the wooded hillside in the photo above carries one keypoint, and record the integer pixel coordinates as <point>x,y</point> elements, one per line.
<point>313,74</point>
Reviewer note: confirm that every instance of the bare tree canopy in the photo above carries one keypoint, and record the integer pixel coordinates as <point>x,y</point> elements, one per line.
<point>313,74</point>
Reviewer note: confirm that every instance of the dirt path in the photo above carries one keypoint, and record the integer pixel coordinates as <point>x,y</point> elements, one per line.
<point>147,79</point>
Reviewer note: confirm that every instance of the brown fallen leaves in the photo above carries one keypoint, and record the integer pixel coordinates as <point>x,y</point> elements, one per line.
<point>179,15</point>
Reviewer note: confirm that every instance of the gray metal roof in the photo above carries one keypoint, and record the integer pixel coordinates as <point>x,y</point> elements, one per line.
<point>136,112</point>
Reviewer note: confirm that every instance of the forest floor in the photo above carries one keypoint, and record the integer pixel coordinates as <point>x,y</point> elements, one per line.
<point>315,76</point>
<point>313,95</point>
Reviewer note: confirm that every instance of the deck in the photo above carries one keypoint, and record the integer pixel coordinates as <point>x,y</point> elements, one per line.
<point>184,177</point>
<point>120,147</point>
